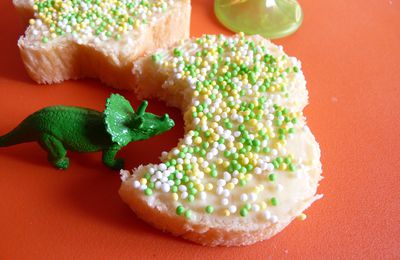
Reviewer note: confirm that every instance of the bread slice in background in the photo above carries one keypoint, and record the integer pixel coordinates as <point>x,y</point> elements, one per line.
<point>110,60</point>
<point>296,190</point>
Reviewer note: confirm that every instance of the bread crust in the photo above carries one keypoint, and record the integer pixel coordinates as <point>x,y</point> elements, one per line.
<point>216,229</point>
<point>198,233</point>
<point>64,58</point>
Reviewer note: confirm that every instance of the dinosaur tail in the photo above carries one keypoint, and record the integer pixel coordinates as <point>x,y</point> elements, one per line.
<point>16,136</point>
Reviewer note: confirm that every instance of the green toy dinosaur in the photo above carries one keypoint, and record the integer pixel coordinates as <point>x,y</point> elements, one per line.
<point>61,128</point>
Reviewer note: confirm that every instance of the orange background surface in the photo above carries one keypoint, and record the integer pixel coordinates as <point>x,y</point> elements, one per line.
<point>350,51</point>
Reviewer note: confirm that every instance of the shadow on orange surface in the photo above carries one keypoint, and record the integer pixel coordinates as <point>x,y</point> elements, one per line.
<point>12,68</point>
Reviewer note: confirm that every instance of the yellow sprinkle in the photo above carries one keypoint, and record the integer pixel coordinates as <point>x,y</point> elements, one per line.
<point>175,196</point>
<point>200,187</point>
<point>239,145</point>
<point>220,161</point>
<point>253,122</point>
<point>143,181</point>
<point>179,167</point>
<point>209,186</point>
<point>245,161</point>
<point>230,186</point>
<point>283,166</point>
<point>31,21</point>
<point>198,140</point>
<point>263,205</point>
<point>302,216</point>
<point>227,212</point>
<point>226,164</point>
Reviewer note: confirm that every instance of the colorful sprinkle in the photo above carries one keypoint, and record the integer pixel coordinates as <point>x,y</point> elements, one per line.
<point>102,20</point>
<point>239,124</point>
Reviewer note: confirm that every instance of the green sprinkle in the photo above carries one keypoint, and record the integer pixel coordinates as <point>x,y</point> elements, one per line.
<point>177,52</point>
<point>179,210</point>
<point>45,40</point>
<point>148,192</point>
<point>274,201</point>
<point>156,58</point>
<point>190,198</point>
<point>185,179</point>
<point>272,177</point>
<point>244,212</point>
<point>188,214</point>
<point>209,209</point>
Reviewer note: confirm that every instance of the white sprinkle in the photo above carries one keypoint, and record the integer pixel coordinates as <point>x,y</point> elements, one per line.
<point>165,187</point>
<point>179,175</point>
<point>244,197</point>
<point>227,176</point>
<point>184,195</point>
<point>159,175</point>
<point>256,207</point>
<point>203,195</point>
<point>232,208</point>
<point>235,180</point>
<point>252,197</point>
<point>221,182</point>
<point>163,167</point>
<point>164,154</point>
<point>274,219</point>
<point>270,167</point>
<point>267,215</point>
<point>226,193</point>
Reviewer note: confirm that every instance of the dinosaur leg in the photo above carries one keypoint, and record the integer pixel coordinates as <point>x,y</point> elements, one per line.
<point>110,160</point>
<point>56,151</point>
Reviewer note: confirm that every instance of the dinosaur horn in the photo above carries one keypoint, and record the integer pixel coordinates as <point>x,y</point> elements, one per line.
<point>142,108</point>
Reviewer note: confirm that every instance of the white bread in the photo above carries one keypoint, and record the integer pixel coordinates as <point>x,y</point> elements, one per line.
<point>270,204</point>
<point>72,57</point>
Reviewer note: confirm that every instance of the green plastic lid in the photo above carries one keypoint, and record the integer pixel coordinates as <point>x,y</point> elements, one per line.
<point>270,18</point>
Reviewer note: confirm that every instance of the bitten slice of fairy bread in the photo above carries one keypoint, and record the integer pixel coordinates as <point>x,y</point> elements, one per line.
<point>69,39</point>
<point>247,164</point>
